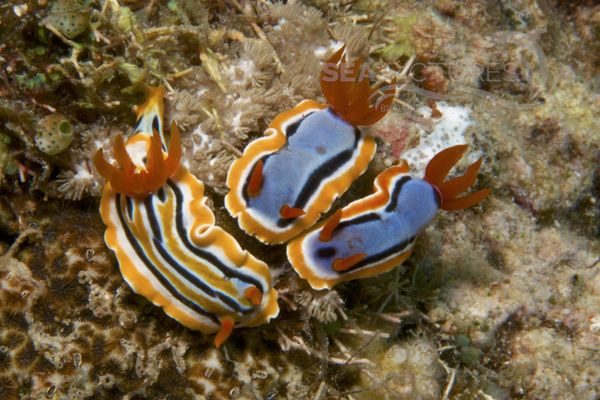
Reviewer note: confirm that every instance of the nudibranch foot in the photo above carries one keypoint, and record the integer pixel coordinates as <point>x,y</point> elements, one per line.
<point>348,91</point>
<point>374,234</point>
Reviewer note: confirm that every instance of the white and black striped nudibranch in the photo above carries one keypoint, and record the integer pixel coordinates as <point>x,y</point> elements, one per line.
<point>309,156</point>
<point>164,237</point>
<point>377,233</point>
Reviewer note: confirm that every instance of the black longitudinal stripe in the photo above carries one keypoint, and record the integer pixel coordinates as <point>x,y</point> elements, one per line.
<point>205,255</point>
<point>154,224</point>
<point>161,194</point>
<point>358,220</point>
<point>394,250</point>
<point>155,124</point>
<point>129,203</point>
<point>437,196</point>
<point>393,203</point>
<point>180,269</point>
<point>157,274</point>
<point>374,216</point>
<point>234,305</point>
<point>320,175</point>
<point>290,130</point>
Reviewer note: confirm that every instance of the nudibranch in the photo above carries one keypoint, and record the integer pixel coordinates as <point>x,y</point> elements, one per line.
<point>374,234</point>
<point>165,239</point>
<point>308,157</point>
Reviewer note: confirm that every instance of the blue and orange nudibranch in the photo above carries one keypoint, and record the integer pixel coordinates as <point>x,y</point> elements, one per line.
<point>164,237</point>
<point>377,233</point>
<point>309,156</point>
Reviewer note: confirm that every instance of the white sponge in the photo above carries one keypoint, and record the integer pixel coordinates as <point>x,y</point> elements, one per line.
<point>448,131</point>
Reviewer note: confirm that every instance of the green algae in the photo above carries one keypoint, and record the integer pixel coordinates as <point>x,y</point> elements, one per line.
<point>402,45</point>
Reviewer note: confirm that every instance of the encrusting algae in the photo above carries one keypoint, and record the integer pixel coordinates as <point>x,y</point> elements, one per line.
<point>487,294</point>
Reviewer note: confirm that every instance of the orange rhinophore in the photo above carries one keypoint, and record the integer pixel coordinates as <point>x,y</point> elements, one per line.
<point>347,90</point>
<point>128,178</point>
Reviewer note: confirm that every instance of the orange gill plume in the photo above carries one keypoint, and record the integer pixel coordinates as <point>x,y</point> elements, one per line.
<point>127,180</point>
<point>436,172</point>
<point>347,90</point>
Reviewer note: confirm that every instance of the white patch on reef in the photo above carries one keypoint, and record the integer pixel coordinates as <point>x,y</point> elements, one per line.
<point>200,139</point>
<point>213,363</point>
<point>282,21</point>
<point>595,324</point>
<point>208,386</point>
<point>200,92</point>
<point>240,72</point>
<point>335,44</point>
<point>236,123</point>
<point>448,131</point>
<point>101,144</point>
<point>83,173</point>
<point>243,369</point>
<point>320,51</point>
